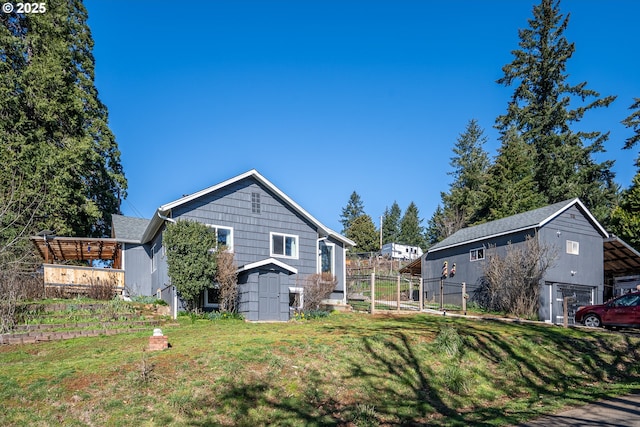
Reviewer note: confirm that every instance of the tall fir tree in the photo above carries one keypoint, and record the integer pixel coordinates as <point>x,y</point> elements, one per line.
<point>511,187</point>
<point>411,230</point>
<point>463,204</point>
<point>56,139</point>
<point>354,209</point>
<point>625,218</point>
<point>391,224</point>
<point>543,109</point>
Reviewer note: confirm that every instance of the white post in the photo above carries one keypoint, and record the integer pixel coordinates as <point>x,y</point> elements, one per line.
<point>421,296</point>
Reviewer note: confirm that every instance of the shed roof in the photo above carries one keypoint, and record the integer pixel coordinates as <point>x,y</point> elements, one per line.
<point>620,259</point>
<point>520,222</point>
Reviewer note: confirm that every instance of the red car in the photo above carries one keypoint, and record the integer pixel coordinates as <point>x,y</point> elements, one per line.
<point>623,312</point>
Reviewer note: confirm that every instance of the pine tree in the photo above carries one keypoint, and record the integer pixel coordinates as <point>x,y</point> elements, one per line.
<point>353,210</point>
<point>542,111</point>
<point>625,218</point>
<point>56,139</point>
<point>411,232</point>
<point>391,224</point>
<point>511,186</point>
<point>364,233</point>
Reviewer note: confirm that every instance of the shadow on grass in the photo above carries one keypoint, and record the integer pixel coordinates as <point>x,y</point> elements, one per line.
<point>537,368</point>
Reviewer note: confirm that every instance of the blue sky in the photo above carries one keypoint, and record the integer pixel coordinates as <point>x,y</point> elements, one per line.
<point>327,97</point>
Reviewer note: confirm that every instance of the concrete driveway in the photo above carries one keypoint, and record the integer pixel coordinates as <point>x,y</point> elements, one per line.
<point>619,411</point>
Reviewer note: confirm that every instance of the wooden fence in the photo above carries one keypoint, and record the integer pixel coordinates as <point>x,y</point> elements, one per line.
<point>75,279</point>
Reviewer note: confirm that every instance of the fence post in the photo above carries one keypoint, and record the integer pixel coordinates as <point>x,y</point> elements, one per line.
<point>398,292</point>
<point>441,294</point>
<point>421,297</point>
<point>464,298</point>
<point>373,293</point>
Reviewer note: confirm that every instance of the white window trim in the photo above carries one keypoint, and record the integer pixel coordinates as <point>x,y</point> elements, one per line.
<point>296,256</point>
<point>296,290</point>
<point>206,300</point>
<point>476,251</point>
<point>333,257</point>
<point>217,227</point>
<point>573,247</point>
<point>154,261</point>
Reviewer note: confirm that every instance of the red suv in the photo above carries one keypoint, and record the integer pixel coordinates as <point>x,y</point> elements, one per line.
<point>623,311</point>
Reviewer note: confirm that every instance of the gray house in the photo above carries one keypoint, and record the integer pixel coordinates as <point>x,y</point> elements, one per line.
<point>275,242</point>
<point>567,227</point>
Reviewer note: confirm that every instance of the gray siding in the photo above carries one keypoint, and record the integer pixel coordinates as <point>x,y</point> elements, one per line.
<point>137,266</point>
<point>231,207</point>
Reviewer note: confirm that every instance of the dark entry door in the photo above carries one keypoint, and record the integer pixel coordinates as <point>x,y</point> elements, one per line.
<point>269,296</point>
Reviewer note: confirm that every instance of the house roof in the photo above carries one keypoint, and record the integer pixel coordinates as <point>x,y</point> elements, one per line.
<point>163,212</point>
<point>128,229</point>
<point>520,222</point>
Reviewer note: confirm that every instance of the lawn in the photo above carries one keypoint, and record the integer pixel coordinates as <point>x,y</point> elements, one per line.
<point>346,369</point>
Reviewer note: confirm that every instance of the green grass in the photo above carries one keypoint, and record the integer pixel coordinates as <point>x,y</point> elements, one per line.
<point>343,369</point>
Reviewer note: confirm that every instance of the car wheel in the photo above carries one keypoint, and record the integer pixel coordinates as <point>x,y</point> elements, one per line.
<point>592,321</point>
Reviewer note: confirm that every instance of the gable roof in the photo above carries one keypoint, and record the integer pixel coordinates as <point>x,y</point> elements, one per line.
<point>128,229</point>
<point>163,211</point>
<point>265,262</point>
<point>520,222</point>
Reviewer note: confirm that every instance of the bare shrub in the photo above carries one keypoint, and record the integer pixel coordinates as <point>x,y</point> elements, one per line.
<point>15,286</point>
<point>227,280</point>
<point>318,287</point>
<point>512,282</point>
<point>102,289</point>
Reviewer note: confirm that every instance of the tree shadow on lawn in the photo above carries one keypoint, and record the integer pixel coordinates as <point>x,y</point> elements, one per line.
<point>399,387</point>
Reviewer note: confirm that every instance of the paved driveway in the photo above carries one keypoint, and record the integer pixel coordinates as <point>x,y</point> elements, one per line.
<point>619,411</point>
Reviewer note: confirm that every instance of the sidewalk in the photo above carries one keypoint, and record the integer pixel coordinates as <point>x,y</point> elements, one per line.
<point>623,411</point>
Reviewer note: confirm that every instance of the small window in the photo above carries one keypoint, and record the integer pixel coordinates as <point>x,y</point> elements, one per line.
<point>573,248</point>
<point>284,245</point>
<point>255,203</point>
<point>476,254</point>
<point>154,261</point>
<point>212,297</point>
<point>224,235</point>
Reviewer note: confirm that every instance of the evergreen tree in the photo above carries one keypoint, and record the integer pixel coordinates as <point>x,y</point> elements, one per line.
<point>411,232</point>
<point>54,129</point>
<point>391,224</point>
<point>353,210</point>
<point>625,218</point>
<point>363,231</point>
<point>543,108</point>
<point>511,186</point>
<point>463,204</point>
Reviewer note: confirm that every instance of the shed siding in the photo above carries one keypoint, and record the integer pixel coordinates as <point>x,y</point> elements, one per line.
<point>573,225</point>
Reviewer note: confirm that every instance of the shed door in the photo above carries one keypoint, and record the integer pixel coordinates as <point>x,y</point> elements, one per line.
<point>269,296</point>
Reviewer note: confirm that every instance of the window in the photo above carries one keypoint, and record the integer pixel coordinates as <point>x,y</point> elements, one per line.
<point>212,297</point>
<point>296,298</point>
<point>224,235</point>
<point>284,245</point>
<point>255,203</point>
<point>154,261</point>
<point>573,248</point>
<point>326,257</point>
<point>476,254</point>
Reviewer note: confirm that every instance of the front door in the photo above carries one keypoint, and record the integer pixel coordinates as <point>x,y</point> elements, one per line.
<point>269,296</point>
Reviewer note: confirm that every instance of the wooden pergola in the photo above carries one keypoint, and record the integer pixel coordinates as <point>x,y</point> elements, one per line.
<point>54,249</point>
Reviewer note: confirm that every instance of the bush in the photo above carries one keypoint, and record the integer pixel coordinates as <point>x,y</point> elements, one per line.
<point>224,315</point>
<point>318,287</point>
